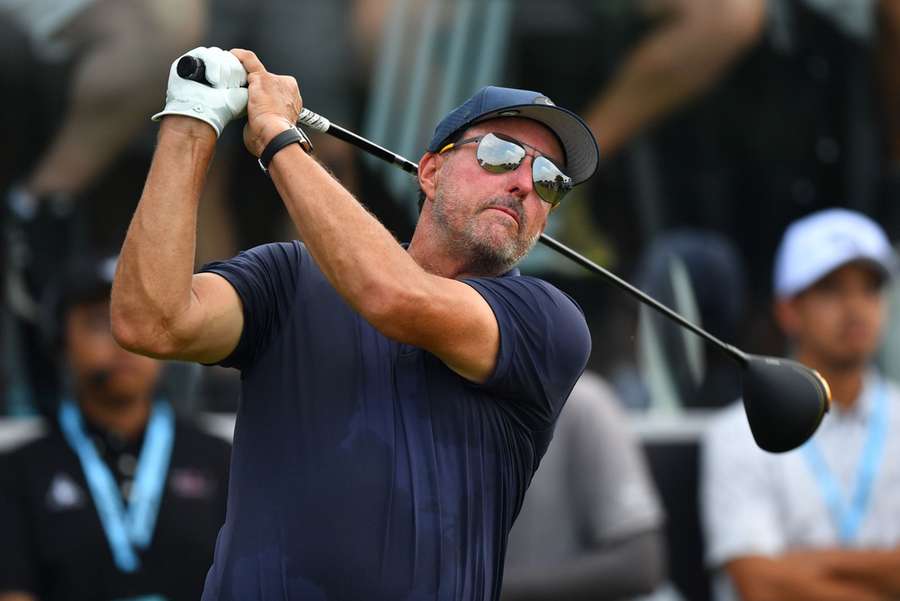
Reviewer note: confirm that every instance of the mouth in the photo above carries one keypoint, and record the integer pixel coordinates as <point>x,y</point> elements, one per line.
<point>508,211</point>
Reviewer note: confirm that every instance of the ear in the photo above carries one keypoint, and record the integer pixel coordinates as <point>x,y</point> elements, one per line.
<point>428,168</point>
<point>787,315</point>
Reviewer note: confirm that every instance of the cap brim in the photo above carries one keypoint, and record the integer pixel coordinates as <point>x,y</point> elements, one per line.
<point>582,152</point>
<point>886,266</point>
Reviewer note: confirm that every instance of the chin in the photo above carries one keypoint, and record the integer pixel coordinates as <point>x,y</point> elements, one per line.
<point>850,360</point>
<point>124,391</point>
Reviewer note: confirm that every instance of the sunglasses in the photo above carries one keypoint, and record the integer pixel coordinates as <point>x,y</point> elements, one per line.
<point>497,153</point>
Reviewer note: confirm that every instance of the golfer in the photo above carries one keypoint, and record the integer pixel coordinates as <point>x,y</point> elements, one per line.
<point>395,400</point>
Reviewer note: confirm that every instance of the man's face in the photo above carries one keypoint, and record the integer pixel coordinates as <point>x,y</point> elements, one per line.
<point>840,318</point>
<point>493,219</point>
<point>100,366</point>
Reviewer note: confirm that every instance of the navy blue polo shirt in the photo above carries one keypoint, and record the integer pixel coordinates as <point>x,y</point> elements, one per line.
<point>363,468</point>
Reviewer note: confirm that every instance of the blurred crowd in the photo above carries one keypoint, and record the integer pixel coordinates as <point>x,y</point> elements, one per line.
<point>720,123</point>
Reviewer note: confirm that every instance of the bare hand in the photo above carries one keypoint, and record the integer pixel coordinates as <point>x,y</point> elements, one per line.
<point>273,105</point>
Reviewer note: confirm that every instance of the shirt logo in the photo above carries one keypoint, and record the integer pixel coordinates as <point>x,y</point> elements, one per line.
<point>191,484</point>
<point>64,494</point>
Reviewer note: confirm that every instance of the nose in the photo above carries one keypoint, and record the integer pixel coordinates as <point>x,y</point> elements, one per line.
<point>520,183</point>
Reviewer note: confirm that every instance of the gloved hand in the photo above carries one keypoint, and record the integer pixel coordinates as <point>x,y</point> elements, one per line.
<point>216,104</point>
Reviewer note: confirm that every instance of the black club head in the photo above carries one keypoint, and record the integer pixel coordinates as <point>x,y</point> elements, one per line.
<point>785,402</point>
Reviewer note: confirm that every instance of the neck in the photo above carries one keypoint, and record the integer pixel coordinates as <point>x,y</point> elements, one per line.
<point>846,382</point>
<point>125,418</point>
<point>423,249</point>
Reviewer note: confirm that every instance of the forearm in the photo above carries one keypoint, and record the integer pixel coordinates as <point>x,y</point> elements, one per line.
<point>788,578</point>
<point>632,568</point>
<point>360,258</point>
<point>876,569</point>
<point>673,64</point>
<point>152,286</point>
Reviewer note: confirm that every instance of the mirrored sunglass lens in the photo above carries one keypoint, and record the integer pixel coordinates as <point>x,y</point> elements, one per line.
<point>498,156</point>
<point>550,183</point>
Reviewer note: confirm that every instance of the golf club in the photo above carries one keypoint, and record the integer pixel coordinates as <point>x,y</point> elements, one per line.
<point>784,400</point>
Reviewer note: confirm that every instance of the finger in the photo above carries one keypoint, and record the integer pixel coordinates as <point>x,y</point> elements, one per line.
<point>251,63</point>
<point>213,64</point>
<point>234,74</point>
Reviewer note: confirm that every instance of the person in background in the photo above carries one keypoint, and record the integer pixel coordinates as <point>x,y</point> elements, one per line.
<point>109,57</point>
<point>820,522</point>
<point>117,499</point>
<point>591,523</point>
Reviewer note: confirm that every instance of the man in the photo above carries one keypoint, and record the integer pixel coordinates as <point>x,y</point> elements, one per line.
<point>819,522</point>
<point>117,499</point>
<point>591,525</point>
<point>395,402</point>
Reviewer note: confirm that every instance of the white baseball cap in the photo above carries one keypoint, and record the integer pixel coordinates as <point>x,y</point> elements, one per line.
<point>816,245</point>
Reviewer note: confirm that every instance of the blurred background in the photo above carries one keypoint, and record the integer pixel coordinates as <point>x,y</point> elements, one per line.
<point>719,122</point>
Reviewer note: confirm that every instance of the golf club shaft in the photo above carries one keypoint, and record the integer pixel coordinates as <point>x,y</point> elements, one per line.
<point>319,123</point>
<point>193,68</point>
<point>314,121</point>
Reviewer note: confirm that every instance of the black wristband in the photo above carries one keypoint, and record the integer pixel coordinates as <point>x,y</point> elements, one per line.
<point>285,138</point>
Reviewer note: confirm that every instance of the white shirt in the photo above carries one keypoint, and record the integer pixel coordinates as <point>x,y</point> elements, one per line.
<point>758,503</point>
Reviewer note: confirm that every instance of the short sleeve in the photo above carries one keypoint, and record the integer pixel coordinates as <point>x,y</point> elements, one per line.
<point>544,345</point>
<point>738,506</point>
<point>612,488</point>
<point>265,278</point>
<point>17,554</point>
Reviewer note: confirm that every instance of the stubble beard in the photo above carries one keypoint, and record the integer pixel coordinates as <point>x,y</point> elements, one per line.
<point>483,256</point>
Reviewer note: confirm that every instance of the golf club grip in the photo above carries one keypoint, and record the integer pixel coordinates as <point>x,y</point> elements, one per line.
<point>194,69</point>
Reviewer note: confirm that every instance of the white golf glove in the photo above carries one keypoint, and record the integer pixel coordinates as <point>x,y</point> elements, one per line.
<point>216,104</point>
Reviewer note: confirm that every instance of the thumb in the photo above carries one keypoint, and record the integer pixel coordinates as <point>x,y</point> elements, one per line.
<point>236,99</point>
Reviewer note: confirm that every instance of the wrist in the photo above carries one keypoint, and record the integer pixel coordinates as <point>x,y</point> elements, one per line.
<point>292,135</point>
<point>188,127</point>
<point>268,131</point>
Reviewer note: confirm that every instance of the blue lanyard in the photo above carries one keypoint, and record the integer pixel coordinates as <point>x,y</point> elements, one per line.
<point>848,519</point>
<point>131,529</point>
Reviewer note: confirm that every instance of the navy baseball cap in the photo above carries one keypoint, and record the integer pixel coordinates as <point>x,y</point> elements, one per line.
<point>492,102</point>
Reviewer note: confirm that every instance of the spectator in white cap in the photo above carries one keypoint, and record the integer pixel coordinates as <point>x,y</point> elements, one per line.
<point>821,522</point>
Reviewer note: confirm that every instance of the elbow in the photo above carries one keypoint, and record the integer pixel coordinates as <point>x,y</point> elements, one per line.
<point>653,562</point>
<point>139,333</point>
<point>124,333</point>
<point>124,323</point>
<point>132,335</point>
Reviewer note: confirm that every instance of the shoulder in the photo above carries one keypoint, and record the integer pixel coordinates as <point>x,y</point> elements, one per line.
<point>24,437</point>
<point>288,254</point>
<point>533,302</point>
<point>31,449</point>
<point>531,287</point>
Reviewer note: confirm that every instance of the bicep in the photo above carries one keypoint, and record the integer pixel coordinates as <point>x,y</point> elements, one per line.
<point>212,326</point>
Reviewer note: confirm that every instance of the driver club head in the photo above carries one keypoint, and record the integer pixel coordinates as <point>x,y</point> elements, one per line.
<point>785,402</point>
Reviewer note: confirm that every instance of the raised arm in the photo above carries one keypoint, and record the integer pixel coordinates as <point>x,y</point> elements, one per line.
<point>360,258</point>
<point>159,308</point>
